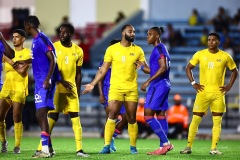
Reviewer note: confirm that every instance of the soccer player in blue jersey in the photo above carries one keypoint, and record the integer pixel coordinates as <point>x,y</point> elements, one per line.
<point>45,74</point>
<point>159,87</point>
<point>103,87</point>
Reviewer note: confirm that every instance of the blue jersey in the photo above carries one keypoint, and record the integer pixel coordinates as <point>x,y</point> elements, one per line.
<point>40,63</point>
<point>159,51</point>
<point>1,55</point>
<point>106,79</point>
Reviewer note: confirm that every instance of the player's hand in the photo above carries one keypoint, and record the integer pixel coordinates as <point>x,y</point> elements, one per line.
<point>225,89</point>
<point>15,65</point>
<point>47,83</point>
<point>66,84</point>
<point>138,64</point>
<point>144,86</point>
<point>102,99</point>
<point>88,88</point>
<point>198,87</point>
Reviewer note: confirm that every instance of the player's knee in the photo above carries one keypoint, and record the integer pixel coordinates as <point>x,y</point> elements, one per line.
<point>17,117</point>
<point>73,114</point>
<point>53,116</point>
<point>112,114</point>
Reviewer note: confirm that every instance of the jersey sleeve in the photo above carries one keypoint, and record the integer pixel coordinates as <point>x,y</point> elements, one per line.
<point>80,56</point>
<point>161,52</point>
<point>46,46</point>
<point>195,59</point>
<point>108,55</point>
<point>142,56</point>
<point>27,54</point>
<point>230,63</point>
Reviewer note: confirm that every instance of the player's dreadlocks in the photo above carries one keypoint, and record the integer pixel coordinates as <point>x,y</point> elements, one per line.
<point>33,20</point>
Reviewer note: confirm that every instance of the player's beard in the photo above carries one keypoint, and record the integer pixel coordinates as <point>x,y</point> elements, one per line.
<point>128,38</point>
<point>65,40</point>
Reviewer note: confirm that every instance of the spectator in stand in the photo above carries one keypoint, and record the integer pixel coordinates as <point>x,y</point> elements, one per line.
<point>204,37</point>
<point>195,18</point>
<point>120,17</point>
<point>65,19</point>
<point>144,130</point>
<point>173,37</point>
<point>85,45</point>
<point>236,19</point>
<point>228,46</point>
<point>177,117</point>
<point>221,20</point>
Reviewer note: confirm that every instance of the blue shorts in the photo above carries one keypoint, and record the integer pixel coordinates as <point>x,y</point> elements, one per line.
<point>105,93</point>
<point>44,97</point>
<point>157,98</point>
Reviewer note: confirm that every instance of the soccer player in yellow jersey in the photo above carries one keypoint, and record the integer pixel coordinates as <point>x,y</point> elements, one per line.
<point>123,85</point>
<point>66,99</point>
<point>15,88</point>
<point>211,89</point>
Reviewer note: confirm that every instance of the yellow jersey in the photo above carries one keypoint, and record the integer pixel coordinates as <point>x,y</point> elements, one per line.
<point>124,69</point>
<point>13,81</point>
<point>212,68</point>
<point>68,58</point>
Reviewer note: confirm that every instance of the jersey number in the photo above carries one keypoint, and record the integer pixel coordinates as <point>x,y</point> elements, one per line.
<point>123,59</point>
<point>210,65</point>
<point>66,60</point>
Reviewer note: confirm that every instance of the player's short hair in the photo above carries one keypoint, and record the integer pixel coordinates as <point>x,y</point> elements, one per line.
<point>69,26</point>
<point>125,26</point>
<point>33,20</point>
<point>159,30</point>
<point>214,34</point>
<point>20,32</point>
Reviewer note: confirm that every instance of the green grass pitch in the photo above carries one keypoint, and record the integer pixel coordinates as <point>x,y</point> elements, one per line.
<point>65,149</point>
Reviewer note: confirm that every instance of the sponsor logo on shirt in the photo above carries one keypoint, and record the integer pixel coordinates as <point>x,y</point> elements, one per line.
<point>132,54</point>
<point>219,60</point>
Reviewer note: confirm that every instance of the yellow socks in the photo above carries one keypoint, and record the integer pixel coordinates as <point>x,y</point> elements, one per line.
<point>2,131</point>
<point>77,129</point>
<point>193,129</point>
<point>216,130</point>
<point>109,130</point>
<point>133,133</point>
<point>18,130</point>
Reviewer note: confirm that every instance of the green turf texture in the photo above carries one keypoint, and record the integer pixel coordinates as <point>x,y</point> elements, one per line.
<point>65,149</point>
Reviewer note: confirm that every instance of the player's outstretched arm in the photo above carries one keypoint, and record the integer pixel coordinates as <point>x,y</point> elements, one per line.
<point>143,66</point>
<point>100,74</point>
<point>9,52</point>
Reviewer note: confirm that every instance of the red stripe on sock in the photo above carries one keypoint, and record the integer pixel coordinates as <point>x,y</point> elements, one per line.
<point>161,117</point>
<point>147,117</point>
<point>117,131</point>
<point>45,133</point>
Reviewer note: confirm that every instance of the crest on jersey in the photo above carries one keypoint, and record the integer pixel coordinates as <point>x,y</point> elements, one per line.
<point>132,54</point>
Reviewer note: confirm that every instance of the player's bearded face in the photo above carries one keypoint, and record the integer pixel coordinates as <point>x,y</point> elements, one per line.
<point>129,38</point>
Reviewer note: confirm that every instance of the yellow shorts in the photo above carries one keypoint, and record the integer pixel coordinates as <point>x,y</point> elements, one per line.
<point>123,95</point>
<point>216,102</point>
<point>14,96</point>
<point>66,102</point>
